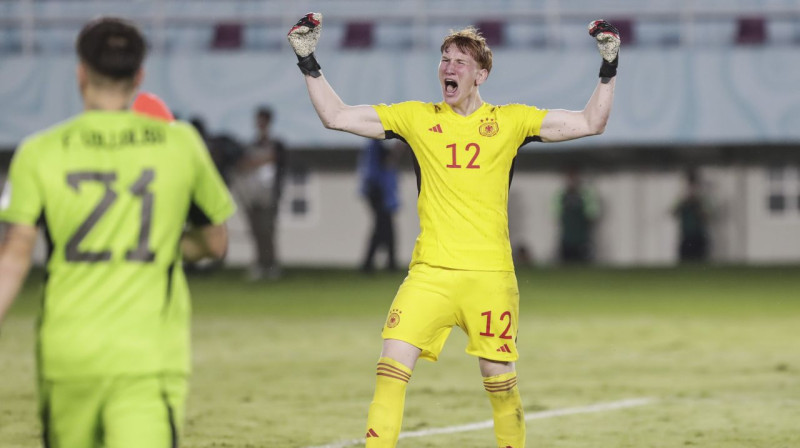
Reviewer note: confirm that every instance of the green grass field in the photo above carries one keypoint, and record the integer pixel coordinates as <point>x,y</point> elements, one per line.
<point>291,363</point>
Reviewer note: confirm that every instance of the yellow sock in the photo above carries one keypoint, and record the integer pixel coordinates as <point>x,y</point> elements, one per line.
<point>386,410</point>
<point>509,418</point>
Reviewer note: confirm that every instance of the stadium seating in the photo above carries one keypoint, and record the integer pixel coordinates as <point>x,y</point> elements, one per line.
<point>783,32</point>
<point>751,31</point>
<point>626,28</point>
<point>358,35</point>
<point>493,31</point>
<point>227,36</point>
<point>656,33</point>
<point>40,26</point>
<point>393,36</point>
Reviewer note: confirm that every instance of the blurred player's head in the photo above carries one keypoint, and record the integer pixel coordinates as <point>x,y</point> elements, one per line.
<point>263,119</point>
<point>264,115</point>
<point>465,65</point>
<point>111,52</point>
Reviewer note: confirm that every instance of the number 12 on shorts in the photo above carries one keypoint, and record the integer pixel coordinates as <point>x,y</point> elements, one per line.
<point>506,315</point>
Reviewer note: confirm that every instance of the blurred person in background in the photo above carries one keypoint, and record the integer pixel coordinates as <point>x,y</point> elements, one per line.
<point>379,187</point>
<point>462,272</point>
<point>577,209</point>
<point>113,191</point>
<point>225,150</point>
<point>692,213</point>
<point>259,183</point>
<point>199,125</point>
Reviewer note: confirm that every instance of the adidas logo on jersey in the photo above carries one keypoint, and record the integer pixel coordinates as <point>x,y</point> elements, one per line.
<point>504,349</point>
<point>371,433</point>
<point>437,128</point>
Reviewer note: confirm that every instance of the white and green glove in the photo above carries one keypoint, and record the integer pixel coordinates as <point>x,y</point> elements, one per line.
<point>303,38</point>
<point>608,41</point>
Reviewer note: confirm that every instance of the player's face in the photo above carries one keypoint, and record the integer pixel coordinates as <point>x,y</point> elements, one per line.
<point>459,76</point>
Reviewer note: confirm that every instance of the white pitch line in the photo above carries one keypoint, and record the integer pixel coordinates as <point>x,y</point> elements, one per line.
<point>592,408</point>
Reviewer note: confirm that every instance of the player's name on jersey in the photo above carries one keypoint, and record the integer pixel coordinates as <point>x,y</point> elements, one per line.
<point>121,138</point>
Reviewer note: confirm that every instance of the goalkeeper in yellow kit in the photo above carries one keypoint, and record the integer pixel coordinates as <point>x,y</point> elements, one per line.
<point>461,271</point>
<point>113,191</point>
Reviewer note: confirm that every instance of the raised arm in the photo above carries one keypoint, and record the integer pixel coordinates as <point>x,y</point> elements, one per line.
<point>333,112</point>
<point>560,125</point>
<point>16,250</point>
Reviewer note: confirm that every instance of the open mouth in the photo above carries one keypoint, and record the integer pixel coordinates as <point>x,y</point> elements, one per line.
<point>450,86</point>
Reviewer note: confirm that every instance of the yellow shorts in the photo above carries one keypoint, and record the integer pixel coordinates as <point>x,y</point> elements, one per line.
<point>485,304</point>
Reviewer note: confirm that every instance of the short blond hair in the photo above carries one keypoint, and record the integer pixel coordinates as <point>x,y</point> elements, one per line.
<point>470,41</point>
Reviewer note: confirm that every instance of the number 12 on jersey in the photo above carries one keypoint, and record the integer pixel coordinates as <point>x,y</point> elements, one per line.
<point>471,147</point>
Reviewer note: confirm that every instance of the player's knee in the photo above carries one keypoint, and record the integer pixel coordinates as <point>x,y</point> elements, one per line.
<point>492,368</point>
<point>401,351</point>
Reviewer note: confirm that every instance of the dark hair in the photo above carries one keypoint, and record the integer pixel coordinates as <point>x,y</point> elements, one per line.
<point>265,112</point>
<point>112,47</point>
<point>200,125</point>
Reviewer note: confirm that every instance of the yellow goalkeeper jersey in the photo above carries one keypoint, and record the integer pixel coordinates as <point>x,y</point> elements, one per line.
<point>464,167</point>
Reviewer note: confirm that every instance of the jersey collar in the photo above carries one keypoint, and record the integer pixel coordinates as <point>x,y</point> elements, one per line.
<point>446,107</point>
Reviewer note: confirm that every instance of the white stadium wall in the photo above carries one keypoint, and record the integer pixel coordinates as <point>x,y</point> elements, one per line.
<point>635,228</point>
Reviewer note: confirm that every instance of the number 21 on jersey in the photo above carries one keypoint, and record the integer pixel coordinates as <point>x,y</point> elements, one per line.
<point>141,253</point>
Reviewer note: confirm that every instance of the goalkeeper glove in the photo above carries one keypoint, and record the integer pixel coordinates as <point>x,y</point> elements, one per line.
<point>303,38</point>
<point>608,43</point>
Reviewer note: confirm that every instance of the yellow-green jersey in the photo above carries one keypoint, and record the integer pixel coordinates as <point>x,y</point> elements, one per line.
<point>464,167</point>
<point>113,192</point>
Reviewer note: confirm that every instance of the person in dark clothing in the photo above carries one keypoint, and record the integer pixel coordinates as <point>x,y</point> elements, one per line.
<point>577,210</point>
<point>224,149</point>
<point>379,188</point>
<point>276,149</point>
<point>258,183</point>
<point>692,215</point>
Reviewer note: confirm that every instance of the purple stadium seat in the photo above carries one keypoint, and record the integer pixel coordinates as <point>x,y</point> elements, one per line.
<point>626,30</point>
<point>227,36</point>
<point>358,35</point>
<point>751,31</point>
<point>492,30</point>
